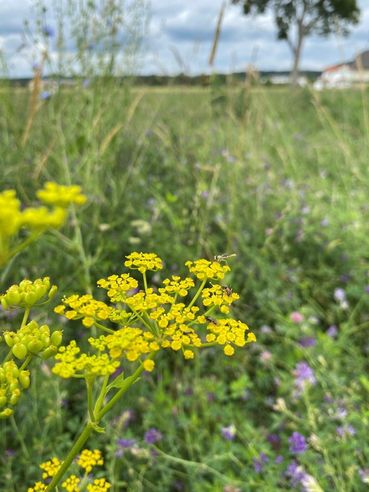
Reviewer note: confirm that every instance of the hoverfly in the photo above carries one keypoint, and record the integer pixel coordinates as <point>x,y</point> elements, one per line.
<point>223,257</point>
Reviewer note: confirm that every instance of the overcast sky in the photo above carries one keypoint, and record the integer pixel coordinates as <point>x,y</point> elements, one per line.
<point>183,30</point>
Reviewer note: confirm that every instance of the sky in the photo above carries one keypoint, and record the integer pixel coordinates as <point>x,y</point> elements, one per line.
<point>179,35</point>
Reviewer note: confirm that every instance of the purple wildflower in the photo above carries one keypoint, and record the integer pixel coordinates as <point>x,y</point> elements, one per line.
<point>340,295</point>
<point>126,443</point>
<point>278,459</point>
<point>229,432</point>
<point>45,95</point>
<point>307,342</point>
<point>295,473</point>
<point>303,375</point>
<point>260,462</point>
<point>152,436</point>
<point>345,430</point>
<point>274,440</point>
<point>297,443</point>
<point>367,289</point>
<point>332,331</point>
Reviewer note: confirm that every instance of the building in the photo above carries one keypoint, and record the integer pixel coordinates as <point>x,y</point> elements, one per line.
<point>345,75</point>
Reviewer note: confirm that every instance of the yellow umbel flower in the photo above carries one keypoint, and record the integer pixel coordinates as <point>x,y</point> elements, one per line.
<point>220,296</point>
<point>205,269</point>
<point>10,217</point>
<point>143,262</point>
<point>89,459</point>
<point>38,487</point>
<point>117,286</point>
<point>41,218</point>
<point>229,332</point>
<point>71,484</point>
<point>85,307</point>
<point>176,285</point>
<point>98,485</point>
<point>61,196</point>
<point>70,363</point>
<point>50,467</point>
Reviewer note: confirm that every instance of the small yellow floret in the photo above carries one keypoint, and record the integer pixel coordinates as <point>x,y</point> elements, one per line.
<point>149,365</point>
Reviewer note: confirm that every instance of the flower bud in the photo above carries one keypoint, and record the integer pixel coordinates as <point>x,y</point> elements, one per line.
<point>24,379</point>
<point>6,413</point>
<point>56,337</point>
<point>19,350</point>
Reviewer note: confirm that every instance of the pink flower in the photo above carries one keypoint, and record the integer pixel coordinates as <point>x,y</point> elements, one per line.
<point>296,317</point>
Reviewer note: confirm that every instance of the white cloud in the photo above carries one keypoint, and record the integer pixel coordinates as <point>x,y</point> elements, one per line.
<point>181,34</point>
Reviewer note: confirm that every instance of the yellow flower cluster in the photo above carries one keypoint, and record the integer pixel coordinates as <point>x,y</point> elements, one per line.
<point>143,262</point>
<point>128,342</point>
<point>38,487</point>
<point>27,293</point>
<point>70,363</point>
<point>50,467</point>
<point>32,339</point>
<point>118,286</point>
<point>89,459</point>
<point>61,196</point>
<point>160,322</point>
<point>13,217</point>
<point>85,307</point>
<point>220,296</point>
<point>71,484</point>
<point>207,270</point>
<point>229,332</point>
<point>98,485</point>
<point>176,285</point>
<point>12,381</point>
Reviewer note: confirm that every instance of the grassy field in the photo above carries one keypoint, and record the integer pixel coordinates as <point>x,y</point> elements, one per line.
<point>278,177</point>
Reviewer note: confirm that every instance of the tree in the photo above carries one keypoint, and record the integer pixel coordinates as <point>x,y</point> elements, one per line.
<point>297,19</point>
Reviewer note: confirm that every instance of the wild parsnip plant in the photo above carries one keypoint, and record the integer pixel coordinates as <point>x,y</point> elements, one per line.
<point>183,315</point>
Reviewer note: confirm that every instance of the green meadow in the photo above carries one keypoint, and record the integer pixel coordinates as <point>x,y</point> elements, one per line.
<point>277,177</point>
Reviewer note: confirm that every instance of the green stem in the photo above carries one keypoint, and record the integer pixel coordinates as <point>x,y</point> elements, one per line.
<point>103,328</point>
<point>144,280</point>
<point>25,316</point>
<point>77,446</point>
<point>203,283</point>
<point>26,361</point>
<point>89,384</point>
<point>127,383</point>
<point>100,399</point>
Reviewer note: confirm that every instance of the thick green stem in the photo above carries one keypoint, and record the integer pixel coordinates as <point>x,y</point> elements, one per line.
<point>77,446</point>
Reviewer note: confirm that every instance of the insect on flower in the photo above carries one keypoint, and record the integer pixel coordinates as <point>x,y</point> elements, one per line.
<point>211,320</point>
<point>223,257</point>
<point>227,290</point>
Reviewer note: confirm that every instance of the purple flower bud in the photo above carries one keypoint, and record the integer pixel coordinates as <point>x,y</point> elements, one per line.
<point>307,342</point>
<point>332,331</point>
<point>152,436</point>
<point>260,462</point>
<point>126,443</point>
<point>297,443</point>
<point>345,430</point>
<point>278,459</point>
<point>229,432</point>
